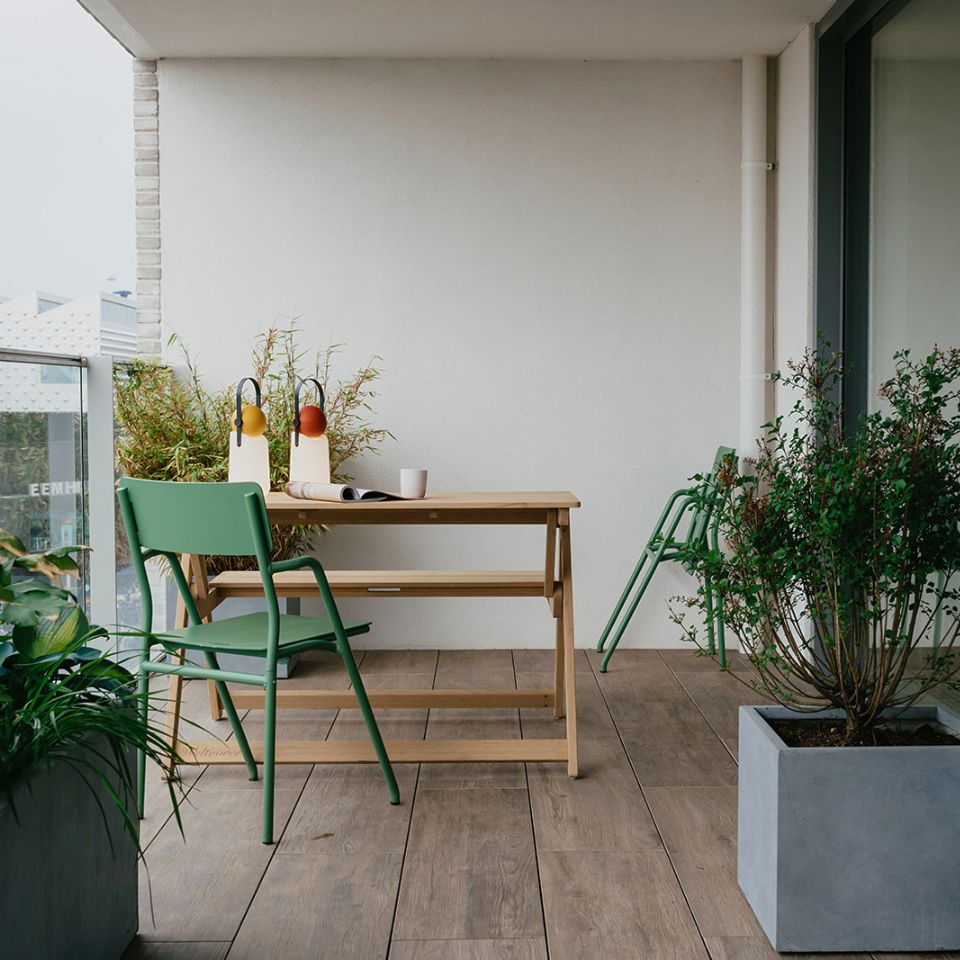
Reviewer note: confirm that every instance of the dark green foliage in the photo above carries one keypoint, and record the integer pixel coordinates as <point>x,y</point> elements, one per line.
<point>61,700</point>
<point>834,543</point>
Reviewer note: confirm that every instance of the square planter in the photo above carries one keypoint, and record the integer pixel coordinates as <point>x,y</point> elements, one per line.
<point>63,893</point>
<point>850,848</point>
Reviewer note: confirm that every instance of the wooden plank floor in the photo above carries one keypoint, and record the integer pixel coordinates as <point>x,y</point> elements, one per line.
<point>636,859</point>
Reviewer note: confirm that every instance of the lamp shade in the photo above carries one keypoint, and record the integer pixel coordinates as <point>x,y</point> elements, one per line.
<point>250,461</point>
<point>310,459</point>
<point>309,447</point>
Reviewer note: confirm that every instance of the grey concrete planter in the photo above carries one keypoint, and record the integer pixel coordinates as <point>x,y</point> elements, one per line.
<point>63,894</point>
<point>850,848</point>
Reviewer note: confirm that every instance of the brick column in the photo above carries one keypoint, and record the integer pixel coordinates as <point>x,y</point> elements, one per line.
<point>146,139</point>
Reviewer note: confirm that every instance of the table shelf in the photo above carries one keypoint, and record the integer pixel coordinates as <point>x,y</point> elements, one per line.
<point>387,583</point>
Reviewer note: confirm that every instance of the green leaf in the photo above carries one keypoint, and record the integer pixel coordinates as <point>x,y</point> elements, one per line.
<point>11,542</point>
<point>51,634</point>
<point>65,551</point>
<point>37,586</point>
<point>103,669</point>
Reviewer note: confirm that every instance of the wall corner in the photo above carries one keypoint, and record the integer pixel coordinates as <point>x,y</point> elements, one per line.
<point>146,157</point>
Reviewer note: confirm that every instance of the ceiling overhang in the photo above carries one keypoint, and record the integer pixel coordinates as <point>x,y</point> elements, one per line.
<point>507,29</point>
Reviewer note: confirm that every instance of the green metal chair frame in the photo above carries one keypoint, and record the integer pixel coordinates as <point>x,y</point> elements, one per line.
<point>664,544</point>
<point>164,519</point>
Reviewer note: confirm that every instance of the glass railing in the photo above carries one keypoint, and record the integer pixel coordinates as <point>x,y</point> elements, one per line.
<point>58,478</point>
<point>43,459</point>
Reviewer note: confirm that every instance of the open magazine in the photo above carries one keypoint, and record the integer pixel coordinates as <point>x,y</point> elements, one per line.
<point>336,492</point>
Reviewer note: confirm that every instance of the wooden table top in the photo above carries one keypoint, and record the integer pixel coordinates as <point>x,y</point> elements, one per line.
<point>506,507</point>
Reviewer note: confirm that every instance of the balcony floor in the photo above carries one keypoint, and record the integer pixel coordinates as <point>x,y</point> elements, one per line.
<point>480,861</point>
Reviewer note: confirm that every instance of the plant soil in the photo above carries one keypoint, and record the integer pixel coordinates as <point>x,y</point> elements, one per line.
<point>832,733</point>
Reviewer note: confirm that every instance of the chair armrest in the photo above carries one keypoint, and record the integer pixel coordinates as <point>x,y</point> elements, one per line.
<point>666,538</point>
<point>671,500</point>
<point>303,563</point>
<point>316,568</point>
<point>297,563</point>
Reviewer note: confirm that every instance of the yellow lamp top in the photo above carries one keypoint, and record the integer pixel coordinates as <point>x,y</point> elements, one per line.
<point>253,422</point>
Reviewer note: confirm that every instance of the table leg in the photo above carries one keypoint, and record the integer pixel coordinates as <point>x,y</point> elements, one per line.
<point>570,671</point>
<point>175,682</point>
<point>553,599</point>
<point>558,673</point>
<point>200,586</point>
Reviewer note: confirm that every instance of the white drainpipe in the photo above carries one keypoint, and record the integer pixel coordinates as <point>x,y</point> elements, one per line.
<point>753,253</point>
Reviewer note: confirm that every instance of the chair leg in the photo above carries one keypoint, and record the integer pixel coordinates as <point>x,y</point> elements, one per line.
<point>231,711</point>
<point>721,638</point>
<point>143,695</point>
<point>623,599</point>
<point>173,711</point>
<point>269,755</point>
<point>631,610</point>
<point>368,718</point>
<point>708,597</point>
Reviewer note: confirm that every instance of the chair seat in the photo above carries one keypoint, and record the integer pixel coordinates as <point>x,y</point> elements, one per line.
<point>248,633</point>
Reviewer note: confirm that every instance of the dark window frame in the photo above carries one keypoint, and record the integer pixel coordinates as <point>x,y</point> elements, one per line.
<point>844,89</point>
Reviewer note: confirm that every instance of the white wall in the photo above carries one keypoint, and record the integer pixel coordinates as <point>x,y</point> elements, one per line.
<point>793,315</point>
<point>545,255</point>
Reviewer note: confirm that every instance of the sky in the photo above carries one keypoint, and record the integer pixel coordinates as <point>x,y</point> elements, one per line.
<point>66,152</point>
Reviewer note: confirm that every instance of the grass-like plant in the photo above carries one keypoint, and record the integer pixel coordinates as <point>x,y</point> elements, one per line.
<point>839,547</point>
<point>173,428</point>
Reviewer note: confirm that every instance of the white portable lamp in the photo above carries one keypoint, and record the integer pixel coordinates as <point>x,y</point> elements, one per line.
<point>309,447</point>
<point>249,451</point>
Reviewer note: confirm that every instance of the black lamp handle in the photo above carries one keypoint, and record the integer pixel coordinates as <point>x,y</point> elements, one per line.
<point>296,405</point>
<point>238,423</point>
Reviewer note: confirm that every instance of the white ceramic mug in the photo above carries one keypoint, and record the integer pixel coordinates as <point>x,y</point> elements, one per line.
<point>413,484</point>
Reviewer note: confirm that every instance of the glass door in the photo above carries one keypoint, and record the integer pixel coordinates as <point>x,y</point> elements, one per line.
<point>888,156</point>
<point>914,237</point>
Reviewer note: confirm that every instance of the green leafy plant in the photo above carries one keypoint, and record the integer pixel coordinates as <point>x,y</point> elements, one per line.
<point>62,701</point>
<point>173,428</point>
<point>838,547</point>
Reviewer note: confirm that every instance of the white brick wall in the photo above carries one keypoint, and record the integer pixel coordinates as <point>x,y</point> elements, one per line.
<point>146,159</point>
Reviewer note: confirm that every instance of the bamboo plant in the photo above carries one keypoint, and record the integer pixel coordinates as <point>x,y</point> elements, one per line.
<point>171,427</point>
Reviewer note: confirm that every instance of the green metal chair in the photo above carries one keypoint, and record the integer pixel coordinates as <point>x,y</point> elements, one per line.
<point>230,519</point>
<point>664,544</point>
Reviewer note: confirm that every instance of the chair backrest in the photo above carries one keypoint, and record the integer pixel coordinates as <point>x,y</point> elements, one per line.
<point>703,511</point>
<point>211,519</point>
<point>206,519</point>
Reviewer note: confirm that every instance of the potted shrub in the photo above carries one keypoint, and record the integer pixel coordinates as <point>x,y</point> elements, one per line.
<point>68,732</point>
<point>836,555</point>
<point>171,427</point>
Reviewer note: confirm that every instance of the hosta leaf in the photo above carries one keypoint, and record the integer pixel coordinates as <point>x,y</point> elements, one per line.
<point>52,634</point>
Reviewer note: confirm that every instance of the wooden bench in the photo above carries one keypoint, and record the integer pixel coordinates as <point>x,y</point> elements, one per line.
<point>380,583</point>
<point>393,583</point>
